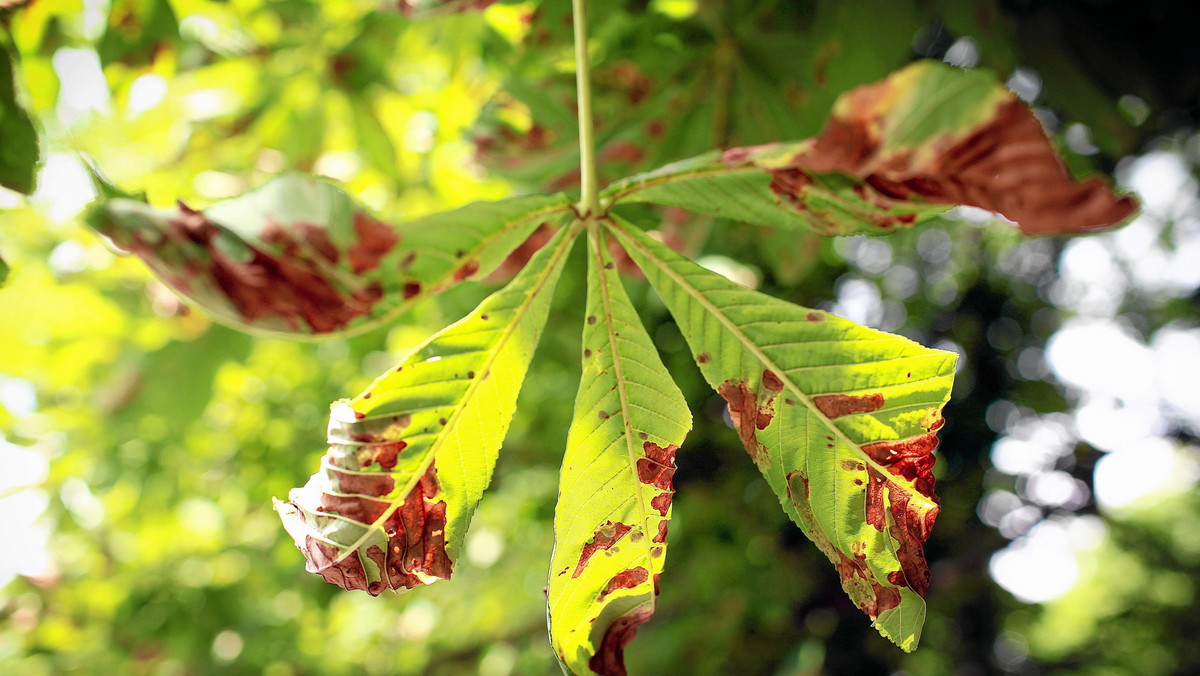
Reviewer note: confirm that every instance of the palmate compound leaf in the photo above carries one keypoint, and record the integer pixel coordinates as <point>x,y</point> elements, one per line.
<point>895,152</point>
<point>299,257</point>
<point>409,458</point>
<point>615,490</point>
<point>840,419</point>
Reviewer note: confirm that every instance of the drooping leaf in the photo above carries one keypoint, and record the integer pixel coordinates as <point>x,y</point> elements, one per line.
<point>19,145</point>
<point>895,152</point>
<point>298,256</point>
<point>615,490</point>
<point>409,458</point>
<point>840,419</point>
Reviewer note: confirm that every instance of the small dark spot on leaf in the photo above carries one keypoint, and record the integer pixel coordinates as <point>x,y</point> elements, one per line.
<point>587,353</point>
<point>471,375</point>
<point>609,265</point>
<point>483,317</point>
<point>603,415</point>
<point>441,421</point>
<point>591,319</point>
<point>703,358</point>
<point>643,435</point>
<point>814,316</point>
<point>460,253</point>
<point>367,395</point>
<point>411,289</point>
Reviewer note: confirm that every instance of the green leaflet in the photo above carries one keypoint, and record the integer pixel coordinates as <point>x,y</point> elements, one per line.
<point>615,488</point>
<point>19,150</point>
<point>409,458</point>
<point>893,153</point>
<point>840,419</point>
<point>299,257</point>
<point>756,185</point>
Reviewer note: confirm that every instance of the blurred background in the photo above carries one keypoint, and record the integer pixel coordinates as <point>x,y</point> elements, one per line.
<point>141,444</point>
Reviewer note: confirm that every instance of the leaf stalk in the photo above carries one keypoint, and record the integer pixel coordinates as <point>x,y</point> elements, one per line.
<point>589,202</point>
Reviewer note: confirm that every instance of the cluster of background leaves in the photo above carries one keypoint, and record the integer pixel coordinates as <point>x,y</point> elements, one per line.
<point>164,556</point>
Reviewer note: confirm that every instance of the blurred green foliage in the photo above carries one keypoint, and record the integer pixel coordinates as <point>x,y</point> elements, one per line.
<point>144,443</point>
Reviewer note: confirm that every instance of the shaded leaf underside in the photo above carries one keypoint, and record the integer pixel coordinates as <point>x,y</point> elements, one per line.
<point>299,257</point>
<point>615,489</point>
<point>19,148</point>
<point>840,419</point>
<point>893,153</point>
<point>409,458</point>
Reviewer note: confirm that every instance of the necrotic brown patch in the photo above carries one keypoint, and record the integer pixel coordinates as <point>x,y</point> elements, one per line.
<point>748,415</point>
<point>466,270</point>
<point>605,537</point>
<point>415,531</point>
<point>1005,164</point>
<point>292,284</point>
<point>375,240</point>
<point>609,659</point>
<point>626,579</point>
<point>837,405</point>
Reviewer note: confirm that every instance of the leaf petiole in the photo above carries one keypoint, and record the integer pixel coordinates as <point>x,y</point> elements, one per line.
<point>589,191</point>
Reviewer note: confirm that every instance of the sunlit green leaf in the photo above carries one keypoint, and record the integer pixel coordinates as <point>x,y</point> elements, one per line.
<point>893,153</point>
<point>298,256</point>
<point>410,457</point>
<point>840,419</point>
<point>615,489</point>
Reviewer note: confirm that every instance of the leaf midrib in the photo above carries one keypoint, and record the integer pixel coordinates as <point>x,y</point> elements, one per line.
<point>618,372</point>
<point>766,361</point>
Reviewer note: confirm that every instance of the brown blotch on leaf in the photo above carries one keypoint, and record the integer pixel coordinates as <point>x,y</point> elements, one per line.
<point>605,537</point>
<point>662,502</point>
<point>516,260</point>
<point>896,577</point>
<point>658,467</point>
<point>626,579</point>
<point>837,405</point>
<point>375,240</point>
<point>291,283</point>
<point>814,317</point>
<point>748,414</point>
<point>415,531</point>
<point>703,358</point>
<point>411,289</point>
<point>466,270</point>
<point>662,532</point>
<point>1005,164</point>
<point>609,659</point>
<point>591,319</point>
<point>603,415</point>
<point>587,353</point>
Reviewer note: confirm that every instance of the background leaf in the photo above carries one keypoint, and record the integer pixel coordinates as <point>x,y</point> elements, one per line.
<point>19,149</point>
<point>840,419</point>
<point>298,256</point>
<point>893,153</point>
<point>409,458</point>
<point>615,490</point>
